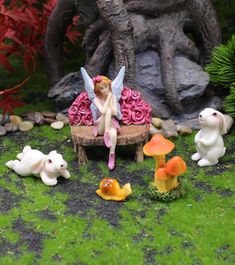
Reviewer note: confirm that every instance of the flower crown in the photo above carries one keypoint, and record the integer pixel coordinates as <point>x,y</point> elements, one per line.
<point>99,79</point>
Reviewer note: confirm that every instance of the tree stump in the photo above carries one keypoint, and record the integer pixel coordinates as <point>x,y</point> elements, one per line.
<point>133,134</point>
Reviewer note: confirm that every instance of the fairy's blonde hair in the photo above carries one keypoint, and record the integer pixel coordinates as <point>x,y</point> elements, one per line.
<point>98,84</point>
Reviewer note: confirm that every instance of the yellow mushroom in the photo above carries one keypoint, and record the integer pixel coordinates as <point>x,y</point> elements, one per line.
<point>110,190</point>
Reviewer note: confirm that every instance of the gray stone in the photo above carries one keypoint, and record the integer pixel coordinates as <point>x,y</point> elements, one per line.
<point>183,129</point>
<point>29,116</point>
<point>191,83</point>
<point>62,117</point>
<point>4,119</point>
<point>49,120</point>
<point>66,90</point>
<point>3,130</point>
<point>38,117</point>
<point>9,126</point>
<point>153,130</point>
<point>49,114</point>
<point>169,128</point>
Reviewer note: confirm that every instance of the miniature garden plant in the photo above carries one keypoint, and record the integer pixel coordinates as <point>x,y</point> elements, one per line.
<point>165,178</point>
<point>222,71</point>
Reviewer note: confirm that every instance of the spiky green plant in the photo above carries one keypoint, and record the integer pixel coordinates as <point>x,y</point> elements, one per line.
<point>222,67</point>
<point>229,101</point>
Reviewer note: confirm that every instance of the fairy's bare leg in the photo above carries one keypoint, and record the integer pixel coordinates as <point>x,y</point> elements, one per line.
<point>108,123</point>
<point>113,139</point>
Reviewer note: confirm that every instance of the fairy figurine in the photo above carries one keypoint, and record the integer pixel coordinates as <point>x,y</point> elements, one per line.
<point>104,95</point>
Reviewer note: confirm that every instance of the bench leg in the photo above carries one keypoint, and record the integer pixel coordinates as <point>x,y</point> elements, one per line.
<point>139,155</point>
<point>82,158</point>
<point>75,147</point>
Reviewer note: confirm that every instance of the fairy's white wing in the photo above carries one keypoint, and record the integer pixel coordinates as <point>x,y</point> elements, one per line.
<point>117,86</point>
<point>89,87</point>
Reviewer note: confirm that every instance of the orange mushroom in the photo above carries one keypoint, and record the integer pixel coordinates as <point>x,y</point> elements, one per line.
<point>176,166</point>
<point>110,190</point>
<point>165,178</point>
<point>158,147</point>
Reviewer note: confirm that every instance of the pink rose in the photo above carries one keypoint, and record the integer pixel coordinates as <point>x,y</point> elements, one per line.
<point>83,107</point>
<point>130,102</point>
<point>147,107</point>
<point>138,115</point>
<point>125,105</point>
<point>73,109</point>
<point>139,102</point>
<point>77,119</point>
<point>82,96</point>
<point>126,116</point>
<point>148,118</point>
<point>135,95</point>
<point>87,119</point>
<point>71,119</point>
<point>126,93</point>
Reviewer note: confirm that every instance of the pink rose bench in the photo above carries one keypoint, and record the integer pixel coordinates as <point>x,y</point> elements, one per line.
<point>136,117</point>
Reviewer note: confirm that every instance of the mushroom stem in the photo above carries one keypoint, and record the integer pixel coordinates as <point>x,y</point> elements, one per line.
<point>160,161</point>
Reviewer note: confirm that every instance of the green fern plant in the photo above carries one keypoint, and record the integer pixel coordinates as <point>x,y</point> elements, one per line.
<point>222,67</point>
<point>229,101</point>
<point>222,72</point>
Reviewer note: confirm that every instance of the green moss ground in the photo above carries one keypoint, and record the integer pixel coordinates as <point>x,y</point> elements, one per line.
<point>70,224</point>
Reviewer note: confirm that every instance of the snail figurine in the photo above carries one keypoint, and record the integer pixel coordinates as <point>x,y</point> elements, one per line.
<point>47,167</point>
<point>209,142</point>
<point>110,190</point>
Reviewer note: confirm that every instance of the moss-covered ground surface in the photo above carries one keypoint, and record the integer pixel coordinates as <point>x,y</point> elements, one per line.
<point>70,224</point>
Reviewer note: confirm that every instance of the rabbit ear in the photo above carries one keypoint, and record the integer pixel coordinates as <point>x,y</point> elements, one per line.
<point>222,123</point>
<point>53,152</point>
<point>38,166</point>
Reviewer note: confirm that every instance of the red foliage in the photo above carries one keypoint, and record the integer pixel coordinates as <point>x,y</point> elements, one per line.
<point>9,100</point>
<point>22,30</point>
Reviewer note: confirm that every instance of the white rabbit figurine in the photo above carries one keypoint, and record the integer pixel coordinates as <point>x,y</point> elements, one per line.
<point>33,162</point>
<point>209,142</point>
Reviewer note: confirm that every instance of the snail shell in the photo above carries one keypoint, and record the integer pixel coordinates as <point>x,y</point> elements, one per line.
<point>109,186</point>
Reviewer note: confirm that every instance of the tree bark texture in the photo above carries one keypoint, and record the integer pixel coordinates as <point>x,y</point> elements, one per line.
<point>120,29</point>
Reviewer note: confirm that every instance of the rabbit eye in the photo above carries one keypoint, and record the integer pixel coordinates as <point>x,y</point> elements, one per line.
<point>49,161</point>
<point>214,114</point>
<point>200,115</point>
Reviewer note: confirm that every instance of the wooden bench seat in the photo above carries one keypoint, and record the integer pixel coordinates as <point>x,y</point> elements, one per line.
<point>133,134</point>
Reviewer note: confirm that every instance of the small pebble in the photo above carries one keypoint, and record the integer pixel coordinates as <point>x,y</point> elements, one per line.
<point>153,130</point>
<point>169,128</point>
<point>4,119</point>
<point>26,126</point>
<point>57,125</point>
<point>49,120</point>
<point>29,116</point>
<point>15,119</point>
<point>3,130</point>
<point>38,117</point>
<point>49,114</point>
<point>183,129</point>
<point>9,126</point>
<point>62,117</point>
<point>157,122</point>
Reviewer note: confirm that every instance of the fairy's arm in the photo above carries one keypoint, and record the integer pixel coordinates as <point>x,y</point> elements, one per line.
<point>113,106</point>
<point>102,109</point>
